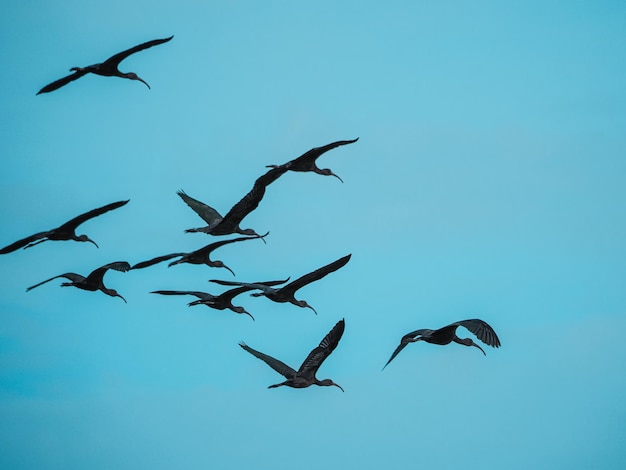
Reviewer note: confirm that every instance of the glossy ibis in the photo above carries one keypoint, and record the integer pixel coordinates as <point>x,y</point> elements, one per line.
<point>306,161</point>
<point>201,256</point>
<point>67,231</point>
<point>93,281</point>
<point>108,68</point>
<point>228,224</point>
<point>287,293</point>
<point>305,376</point>
<point>447,335</point>
<point>218,302</point>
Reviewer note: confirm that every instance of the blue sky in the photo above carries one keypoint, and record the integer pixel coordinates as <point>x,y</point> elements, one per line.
<point>487,183</point>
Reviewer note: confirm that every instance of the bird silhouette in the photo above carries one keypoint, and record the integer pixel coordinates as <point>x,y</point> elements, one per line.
<point>447,334</point>
<point>108,68</point>
<point>287,293</point>
<point>305,375</point>
<point>306,161</point>
<point>218,302</point>
<point>218,225</point>
<point>201,256</point>
<point>67,231</point>
<point>93,282</point>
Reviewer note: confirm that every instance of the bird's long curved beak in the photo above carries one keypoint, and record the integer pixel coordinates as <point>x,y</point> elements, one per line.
<point>249,314</point>
<point>474,344</point>
<point>312,309</point>
<point>118,295</point>
<point>231,271</point>
<point>336,176</point>
<point>144,82</point>
<point>91,241</point>
<point>339,387</point>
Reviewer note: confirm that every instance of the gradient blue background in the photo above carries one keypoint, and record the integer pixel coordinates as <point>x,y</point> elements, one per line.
<point>488,182</point>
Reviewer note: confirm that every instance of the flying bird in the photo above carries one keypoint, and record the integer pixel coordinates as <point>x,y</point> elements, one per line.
<point>93,282</point>
<point>306,161</point>
<point>108,68</point>
<point>287,293</point>
<point>218,225</point>
<point>305,376</point>
<point>201,256</point>
<point>447,334</point>
<point>218,302</point>
<point>67,231</point>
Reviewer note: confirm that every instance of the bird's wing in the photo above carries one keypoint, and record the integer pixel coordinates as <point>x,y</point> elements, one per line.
<point>279,366</point>
<point>207,213</point>
<point>251,200</point>
<point>403,343</point>
<point>214,246</point>
<point>71,276</point>
<point>23,242</point>
<point>70,225</point>
<point>316,152</point>
<point>315,275</point>
<point>95,277</point>
<point>200,295</point>
<point>62,81</point>
<point>482,330</point>
<point>316,357</point>
<point>158,259</point>
<point>257,285</point>
<point>120,56</point>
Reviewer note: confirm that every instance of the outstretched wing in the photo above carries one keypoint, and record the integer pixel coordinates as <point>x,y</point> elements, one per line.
<point>251,200</point>
<point>403,342</point>
<point>316,357</point>
<point>23,242</point>
<point>158,259</point>
<point>120,56</point>
<point>279,366</point>
<point>207,213</point>
<point>482,330</point>
<point>313,154</point>
<point>62,81</point>
<point>317,274</point>
<point>71,225</point>
<point>95,277</point>
<point>200,295</point>
<point>71,276</point>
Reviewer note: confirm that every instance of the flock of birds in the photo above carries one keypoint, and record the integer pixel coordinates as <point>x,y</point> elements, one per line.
<point>229,224</point>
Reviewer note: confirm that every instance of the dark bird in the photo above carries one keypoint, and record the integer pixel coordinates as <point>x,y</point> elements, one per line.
<point>287,293</point>
<point>64,232</point>
<point>108,68</point>
<point>305,376</point>
<point>218,302</point>
<point>228,224</point>
<point>447,334</point>
<point>306,161</point>
<point>201,256</point>
<point>93,282</point>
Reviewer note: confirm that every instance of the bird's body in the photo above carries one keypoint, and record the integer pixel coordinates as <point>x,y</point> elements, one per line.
<point>201,256</point>
<point>108,68</point>
<point>218,225</point>
<point>306,161</point>
<point>93,282</point>
<point>447,335</point>
<point>219,302</point>
<point>305,376</point>
<point>287,293</point>
<point>67,231</point>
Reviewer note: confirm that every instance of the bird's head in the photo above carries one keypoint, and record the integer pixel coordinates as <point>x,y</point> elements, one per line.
<point>328,383</point>
<point>220,264</point>
<point>469,342</point>
<point>242,310</point>
<point>134,76</point>
<point>304,304</point>
<point>249,231</point>
<point>85,238</point>
<point>114,293</point>
<point>327,172</point>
